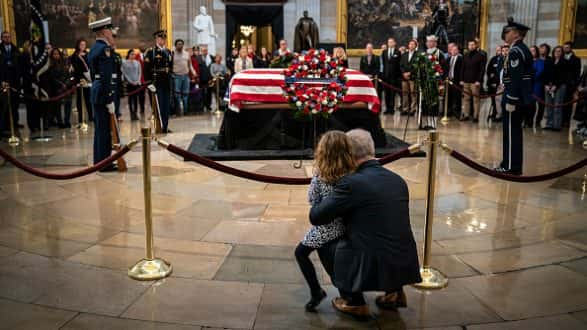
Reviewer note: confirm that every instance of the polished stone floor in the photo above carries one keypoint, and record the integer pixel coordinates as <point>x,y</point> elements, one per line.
<point>515,253</point>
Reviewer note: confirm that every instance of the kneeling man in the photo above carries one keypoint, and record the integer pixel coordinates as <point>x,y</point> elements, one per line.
<point>378,252</point>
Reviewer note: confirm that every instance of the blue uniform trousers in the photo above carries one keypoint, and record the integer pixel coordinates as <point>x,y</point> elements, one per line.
<point>513,152</point>
<point>164,97</point>
<point>102,138</point>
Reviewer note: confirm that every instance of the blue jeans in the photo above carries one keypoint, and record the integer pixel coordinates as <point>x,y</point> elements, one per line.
<point>181,87</point>
<point>554,115</point>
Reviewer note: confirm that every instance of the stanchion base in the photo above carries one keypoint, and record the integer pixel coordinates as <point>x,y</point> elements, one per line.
<point>43,138</point>
<point>444,120</point>
<point>150,270</point>
<point>432,279</point>
<point>14,141</point>
<point>83,127</point>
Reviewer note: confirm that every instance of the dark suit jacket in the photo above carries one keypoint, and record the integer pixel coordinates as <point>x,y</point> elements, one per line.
<point>457,70</point>
<point>378,251</point>
<point>406,64</point>
<point>205,75</point>
<point>574,71</point>
<point>473,69</point>
<point>391,66</point>
<point>370,69</point>
<point>9,67</point>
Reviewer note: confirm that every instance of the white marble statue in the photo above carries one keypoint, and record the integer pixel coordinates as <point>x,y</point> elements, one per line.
<point>205,34</point>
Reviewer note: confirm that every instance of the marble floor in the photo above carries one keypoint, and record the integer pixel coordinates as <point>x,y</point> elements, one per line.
<point>515,253</point>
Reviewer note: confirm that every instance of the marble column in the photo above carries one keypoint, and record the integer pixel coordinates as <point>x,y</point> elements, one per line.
<point>523,11</point>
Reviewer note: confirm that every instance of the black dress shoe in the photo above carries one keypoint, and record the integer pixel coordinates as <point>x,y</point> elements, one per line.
<point>315,301</point>
<point>464,119</point>
<point>475,120</point>
<point>506,171</point>
<point>404,113</point>
<point>109,168</point>
<point>167,131</point>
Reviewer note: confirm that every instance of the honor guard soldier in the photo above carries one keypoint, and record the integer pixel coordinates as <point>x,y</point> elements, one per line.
<point>102,66</point>
<point>158,67</point>
<point>518,75</point>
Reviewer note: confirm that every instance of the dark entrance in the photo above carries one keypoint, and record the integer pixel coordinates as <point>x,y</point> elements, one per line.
<point>259,16</point>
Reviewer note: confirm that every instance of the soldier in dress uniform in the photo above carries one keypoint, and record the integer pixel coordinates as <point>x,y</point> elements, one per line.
<point>518,73</point>
<point>158,67</point>
<point>117,77</point>
<point>102,66</point>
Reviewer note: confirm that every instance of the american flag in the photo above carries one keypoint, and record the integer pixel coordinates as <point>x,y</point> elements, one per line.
<point>265,86</point>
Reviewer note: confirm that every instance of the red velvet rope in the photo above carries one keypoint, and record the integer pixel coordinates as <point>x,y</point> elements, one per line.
<point>549,105</point>
<point>515,178</point>
<point>457,87</point>
<point>52,99</point>
<point>140,89</point>
<point>65,176</point>
<point>390,86</point>
<point>261,177</point>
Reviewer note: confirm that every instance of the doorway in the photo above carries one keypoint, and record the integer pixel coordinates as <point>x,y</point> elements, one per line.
<point>260,25</point>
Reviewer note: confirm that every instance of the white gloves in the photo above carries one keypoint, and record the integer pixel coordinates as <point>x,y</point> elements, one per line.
<point>510,107</point>
<point>110,107</point>
<point>152,88</point>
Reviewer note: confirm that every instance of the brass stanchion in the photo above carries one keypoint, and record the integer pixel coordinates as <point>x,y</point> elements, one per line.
<point>13,141</point>
<point>150,268</point>
<point>217,79</point>
<point>444,121</point>
<point>84,124</point>
<point>431,278</point>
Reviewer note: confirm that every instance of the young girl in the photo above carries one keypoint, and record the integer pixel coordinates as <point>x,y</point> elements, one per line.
<point>333,161</point>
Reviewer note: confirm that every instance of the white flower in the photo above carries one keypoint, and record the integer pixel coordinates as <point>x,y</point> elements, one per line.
<point>333,72</point>
<point>301,58</point>
<point>331,110</point>
<point>314,111</point>
<point>298,104</point>
<point>328,58</point>
<point>335,101</point>
<point>340,68</point>
<point>325,102</point>
<point>304,67</point>
<point>437,74</point>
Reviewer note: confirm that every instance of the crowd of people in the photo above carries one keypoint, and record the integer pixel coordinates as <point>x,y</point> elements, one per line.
<point>474,75</point>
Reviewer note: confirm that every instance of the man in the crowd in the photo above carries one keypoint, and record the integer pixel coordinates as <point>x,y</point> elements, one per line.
<point>574,67</point>
<point>158,67</point>
<point>230,60</point>
<point>493,80</point>
<point>9,79</point>
<point>499,99</point>
<point>472,74</point>
<point>455,64</point>
<point>204,62</point>
<point>518,74</point>
<point>282,50</point>
<point>376,254</point>
<point>102,68</point>
<point>380,87</point>
<point>182,68</point>
<point>117,77</point>
<point>409,97</point>
<point>370,64</point>
<point>391,73</point>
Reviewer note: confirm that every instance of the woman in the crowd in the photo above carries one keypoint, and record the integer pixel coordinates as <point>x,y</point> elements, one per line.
<point>334,160</point>
<point>544,51</point>
<point>252,54</point>
<point>54,82</point>
<point>217,69</point>
<point>340,54</point>
<point>532,113</point>
<point>243,62</point>
<point>81,72</point>
<point>556,87</point>
<point>231,59</point>
<point>131,73</point>
<point>28,79</point>
<point>264,58</point>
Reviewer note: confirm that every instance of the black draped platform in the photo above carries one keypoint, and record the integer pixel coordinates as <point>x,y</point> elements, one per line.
<point>254,134</point>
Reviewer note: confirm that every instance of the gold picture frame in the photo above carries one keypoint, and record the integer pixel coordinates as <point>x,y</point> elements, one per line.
<point>8,18</point>
<point>342,25</point>
<point>568,21</point>
<point>165,22</point>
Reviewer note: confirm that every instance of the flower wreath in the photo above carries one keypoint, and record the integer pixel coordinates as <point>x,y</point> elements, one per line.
<point>428,77</point>
<point>315,84</point>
